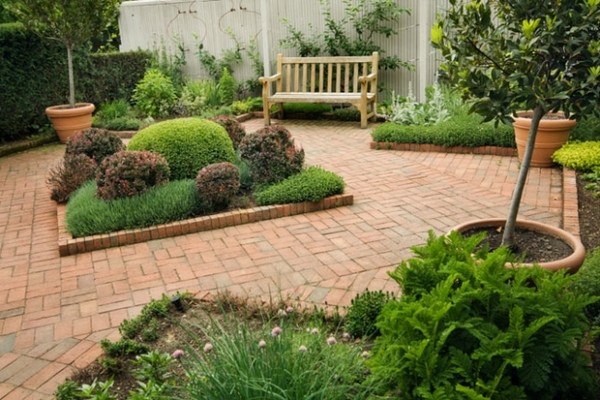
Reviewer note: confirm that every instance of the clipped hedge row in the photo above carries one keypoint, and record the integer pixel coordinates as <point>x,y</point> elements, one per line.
<point>33,76</point>
<point>461,130</point>
<point>312,184</point>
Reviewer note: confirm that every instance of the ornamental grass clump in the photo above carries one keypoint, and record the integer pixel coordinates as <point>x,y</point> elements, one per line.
<point>188,144</point>
<point>467,327</point>
<point>271,154</point>
<point>68,175</point>
<point>130,173</point>
<point>272,362</point>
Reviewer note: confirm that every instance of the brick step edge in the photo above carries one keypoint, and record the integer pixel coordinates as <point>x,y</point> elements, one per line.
<point>434,148</point>
<point>67,245</point>
<point>570,210</point>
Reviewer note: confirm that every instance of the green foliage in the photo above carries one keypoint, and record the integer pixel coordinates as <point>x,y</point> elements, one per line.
<point>170,65</point>
<point>312,184</point>
<point>68,175</point>
<point>468,327</point>
<point>116,115</point>
<point>197,96</point>
<point>94,143</point>
<point>294,364</point>
<point>586,282</point>
<point>188,144</point>
<point>130,173</point>
<point>355,34</point>
<point>580,156</point>
<point>153,366</point>
<point>593,181</point>
<point>464,130</point>
<point>97,390</point>
<point>247,105</point>
<point>226,87</point>
<point>271,154</point>
<point>346,114</point>
<point>152,312</point>
<point>89,215</point>
<point>587,128</point>
<point>154,95</point>
<point>217,185</point>
<point>363,312</point>
<point>215,67</point>
<point>68,390</point>
<point>234,129</point>
<point>246,181</point>
<point>123,347</point>
<point>113,109</point>
<point>312,110</point>
<point>516,55</point>
<point>407,111</point>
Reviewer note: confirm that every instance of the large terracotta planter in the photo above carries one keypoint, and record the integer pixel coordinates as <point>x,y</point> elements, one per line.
<point>67,121</point>
<point>571,263</point>
<point>552,133</point>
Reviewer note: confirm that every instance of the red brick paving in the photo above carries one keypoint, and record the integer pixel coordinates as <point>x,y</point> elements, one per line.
<point>54,311</point>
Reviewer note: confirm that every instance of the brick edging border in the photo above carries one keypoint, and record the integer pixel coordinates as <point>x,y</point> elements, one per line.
<point>67,245</point>
<point>570,209</point>
<point>434,148</point>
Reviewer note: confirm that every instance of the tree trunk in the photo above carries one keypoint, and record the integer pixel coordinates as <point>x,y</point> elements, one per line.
<point>508,237</point>
<point>71,78</point>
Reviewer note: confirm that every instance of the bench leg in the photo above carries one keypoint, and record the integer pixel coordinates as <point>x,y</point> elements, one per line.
<point>280,115</point>
<point>266,115</point>
<point>363,108</point>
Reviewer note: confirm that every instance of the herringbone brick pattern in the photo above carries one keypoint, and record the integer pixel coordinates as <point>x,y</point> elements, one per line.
<point>54,311</point>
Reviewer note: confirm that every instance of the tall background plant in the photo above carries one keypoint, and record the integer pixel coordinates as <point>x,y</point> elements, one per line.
<point>71,22</point>
<point>509,55</point>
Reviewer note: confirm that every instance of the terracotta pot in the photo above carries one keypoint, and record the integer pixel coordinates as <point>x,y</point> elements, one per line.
<point>67,120</point>
<point>571,263</point>
<point>553,132</point>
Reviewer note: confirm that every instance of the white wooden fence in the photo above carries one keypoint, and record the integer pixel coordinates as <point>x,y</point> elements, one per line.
<point>155,24</point>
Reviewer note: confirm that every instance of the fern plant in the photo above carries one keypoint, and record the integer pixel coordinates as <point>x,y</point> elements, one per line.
<point>469,328</point>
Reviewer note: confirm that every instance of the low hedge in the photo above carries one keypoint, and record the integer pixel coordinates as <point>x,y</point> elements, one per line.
<point>89,215</point>
<point>460,130</point>
<point>581,156</point>
<point>311,184</point>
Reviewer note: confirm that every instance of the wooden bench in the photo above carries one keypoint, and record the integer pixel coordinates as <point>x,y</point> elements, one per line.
<point>331,80</point>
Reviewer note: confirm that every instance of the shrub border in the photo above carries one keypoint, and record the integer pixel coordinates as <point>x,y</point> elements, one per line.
<point>67,245</point>
<point>435,148</point>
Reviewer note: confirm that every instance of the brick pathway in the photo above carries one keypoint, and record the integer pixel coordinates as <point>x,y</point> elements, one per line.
<point>54,311</point>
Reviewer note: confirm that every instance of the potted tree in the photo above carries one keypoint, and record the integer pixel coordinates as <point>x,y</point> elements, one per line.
<point>509,55</point>
<point>71,22</point>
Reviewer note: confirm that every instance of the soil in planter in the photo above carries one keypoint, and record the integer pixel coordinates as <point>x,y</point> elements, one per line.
<point>589,216</point>
<point>533,246</point>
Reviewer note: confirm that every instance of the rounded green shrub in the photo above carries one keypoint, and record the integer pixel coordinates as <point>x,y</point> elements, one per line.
<point>271,154</point>
<point>188,144</point>
<point>68,175</point>
<point>234,129</point>
<point>312,184</point>
<point>217,184</point>
<point>130,173</point>
<point>581,156</point>
<point>363,312</point>
<point>94,143</point>
<point>154,95</point>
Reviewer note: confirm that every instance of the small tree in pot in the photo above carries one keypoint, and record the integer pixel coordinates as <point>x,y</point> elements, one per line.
<point>508,55</point>
<point>72,22</point>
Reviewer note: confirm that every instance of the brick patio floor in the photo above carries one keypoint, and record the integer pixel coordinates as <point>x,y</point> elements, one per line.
<point>54,311</point>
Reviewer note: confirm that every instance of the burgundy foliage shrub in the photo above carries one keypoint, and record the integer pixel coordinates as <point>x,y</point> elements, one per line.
<point>68,175</point>
<point>94,143</point>
<point>217,184</point>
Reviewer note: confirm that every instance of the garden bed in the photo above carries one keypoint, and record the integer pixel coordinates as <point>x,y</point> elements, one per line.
<point>67,245</point>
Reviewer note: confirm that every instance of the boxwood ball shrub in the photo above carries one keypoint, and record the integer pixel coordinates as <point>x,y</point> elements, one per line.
<point>581,156</point>
<point>188,144</point>
<point>467,327</point>
<point>271,154</point>
<point>94,143</point>
<point>69,174</point>
<point>130,173</point>
<point>312,184</point>
<point>234,129</point>
<point>217,184</point>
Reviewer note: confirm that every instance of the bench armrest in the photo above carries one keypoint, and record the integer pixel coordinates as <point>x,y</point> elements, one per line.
<point>268,79</point>
<point>369,78</point>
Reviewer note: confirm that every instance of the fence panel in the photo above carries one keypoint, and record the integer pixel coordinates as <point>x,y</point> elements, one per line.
<point>220,25</point>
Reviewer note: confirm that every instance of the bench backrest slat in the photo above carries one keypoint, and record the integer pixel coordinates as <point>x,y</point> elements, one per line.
<point>324,74</point>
